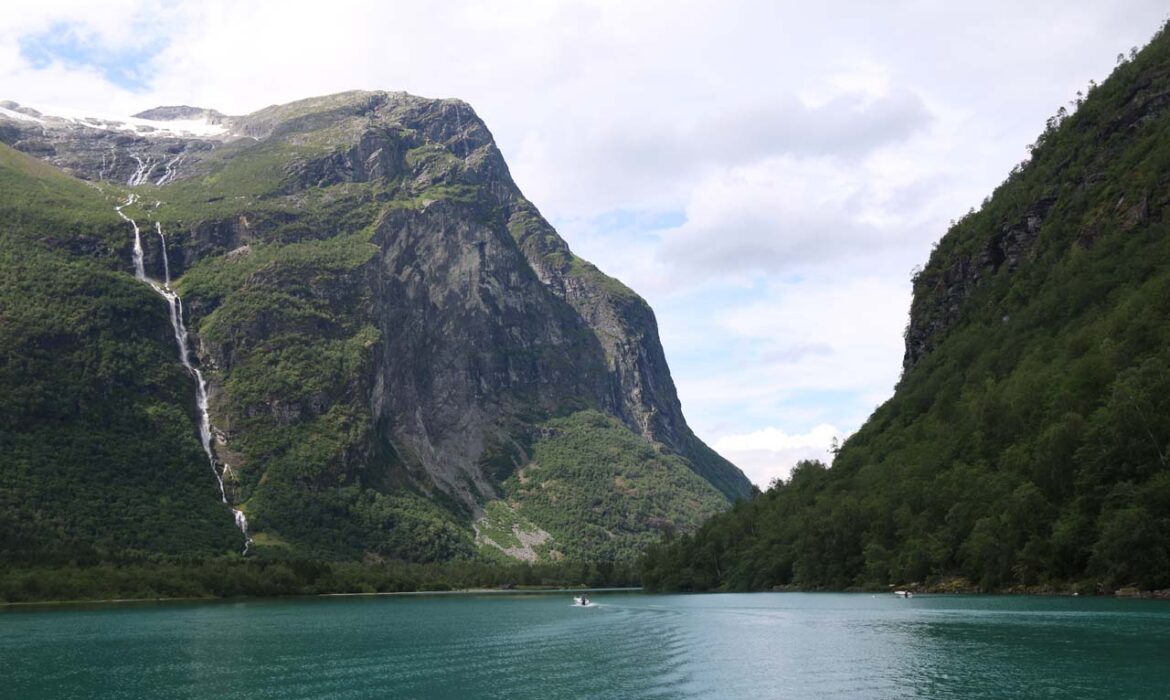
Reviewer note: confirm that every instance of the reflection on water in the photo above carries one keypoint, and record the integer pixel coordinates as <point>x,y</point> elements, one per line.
<point>783,645</point>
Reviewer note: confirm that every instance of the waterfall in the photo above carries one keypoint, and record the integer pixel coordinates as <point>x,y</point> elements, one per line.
<point>170,172</point>
<point>108,167</point>
<point>137,173</point>
<point>175,304</point>
<point>142,172</point>
<point>166,263</point>
<point>136,251</point>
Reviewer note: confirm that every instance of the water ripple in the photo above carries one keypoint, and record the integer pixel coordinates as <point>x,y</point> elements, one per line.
<point>636,647</point>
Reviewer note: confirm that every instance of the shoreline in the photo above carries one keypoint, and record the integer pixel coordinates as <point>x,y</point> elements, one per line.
<point>373,594</point>
<point>950,588</point>
<point>1127,594</point>
<point>489,591</point>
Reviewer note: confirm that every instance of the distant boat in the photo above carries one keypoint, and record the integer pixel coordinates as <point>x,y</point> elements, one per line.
<point>904,594</point>
<point>581,600</point>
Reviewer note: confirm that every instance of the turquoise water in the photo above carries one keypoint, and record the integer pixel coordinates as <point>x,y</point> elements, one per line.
<point>629,645</point>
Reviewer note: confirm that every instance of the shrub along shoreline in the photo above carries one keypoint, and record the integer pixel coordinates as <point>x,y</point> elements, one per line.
<point>206,579</point>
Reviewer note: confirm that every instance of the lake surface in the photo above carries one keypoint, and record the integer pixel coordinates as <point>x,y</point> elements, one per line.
<point>629,645</point>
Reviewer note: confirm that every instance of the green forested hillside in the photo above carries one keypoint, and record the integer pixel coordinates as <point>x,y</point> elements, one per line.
<point>98,449</point>
<point>602,492</point>
<point>1027,441</point>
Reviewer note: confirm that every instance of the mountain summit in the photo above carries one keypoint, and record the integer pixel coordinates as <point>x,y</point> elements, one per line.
<point>402,357</point>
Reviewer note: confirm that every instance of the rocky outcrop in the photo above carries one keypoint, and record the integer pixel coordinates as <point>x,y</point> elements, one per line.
<point>941,291</point>
<point>183,113</point>
<point>379,153</point>
<point>106,150</point>
<point>471,342</point>
<point>1074,175</point>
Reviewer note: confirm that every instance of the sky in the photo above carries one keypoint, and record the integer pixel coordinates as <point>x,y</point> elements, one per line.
<point>766,174</point>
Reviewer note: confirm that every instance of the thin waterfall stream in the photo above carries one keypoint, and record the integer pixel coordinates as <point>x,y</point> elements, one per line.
<point>166,262</point>
<point>182,339</point>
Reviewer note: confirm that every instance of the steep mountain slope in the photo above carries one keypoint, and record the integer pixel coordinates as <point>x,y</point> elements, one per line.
<point>1027,441</point>
<point>97,448</point>
<point>389,330</point>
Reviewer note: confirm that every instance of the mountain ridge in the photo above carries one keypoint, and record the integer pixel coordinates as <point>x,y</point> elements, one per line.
<point>384,321</point>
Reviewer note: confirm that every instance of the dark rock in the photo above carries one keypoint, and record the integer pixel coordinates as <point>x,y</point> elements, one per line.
<point>181,112</point>
<point>939,299</point>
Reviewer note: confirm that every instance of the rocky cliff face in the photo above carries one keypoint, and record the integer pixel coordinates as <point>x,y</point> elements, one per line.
<point>471,339</point>
<point>939,294</point>
<point>149,148</point>
<point>968,257</point>
<point>382,315</point>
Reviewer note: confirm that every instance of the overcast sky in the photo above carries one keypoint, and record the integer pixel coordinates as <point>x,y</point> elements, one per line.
<point>766,174</point>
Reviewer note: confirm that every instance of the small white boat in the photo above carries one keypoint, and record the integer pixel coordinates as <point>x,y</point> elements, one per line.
<point>904,594</point>
<point>581,600</point>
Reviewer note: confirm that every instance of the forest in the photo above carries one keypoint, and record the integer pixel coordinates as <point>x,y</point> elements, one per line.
<point>150,578</point>
<point>1026,444</point>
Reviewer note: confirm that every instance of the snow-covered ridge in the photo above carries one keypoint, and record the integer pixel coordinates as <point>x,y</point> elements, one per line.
<point>206,127</point>
<point>18,116</point>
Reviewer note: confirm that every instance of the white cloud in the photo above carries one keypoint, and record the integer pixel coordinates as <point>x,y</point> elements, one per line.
<point>658,154</point>
<point>770,453</point>
<point>774,216</point>
<point>795,354</point>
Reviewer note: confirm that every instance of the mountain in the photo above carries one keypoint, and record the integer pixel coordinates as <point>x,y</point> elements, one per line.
<point>347,307</point>
<point>1026,443</point>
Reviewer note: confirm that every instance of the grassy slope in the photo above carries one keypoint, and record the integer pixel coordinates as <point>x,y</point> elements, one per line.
<point>1030,446</point>
<point>605,493</point>
<point>98,451</point>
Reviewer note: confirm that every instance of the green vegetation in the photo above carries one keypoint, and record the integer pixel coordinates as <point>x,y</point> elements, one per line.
<point>1029,446</point>
<point>228,578</point>
<point>43,206</point>
<point>433,161</point>
<point>314,116</point>
<point>283,251</point>
<point>603,492</point>
<point>297,353</point>
<point>612,286</point>
<point>98,449</point>
<point>500,525</point>
<point>529,229</point>
<point>254,186</point>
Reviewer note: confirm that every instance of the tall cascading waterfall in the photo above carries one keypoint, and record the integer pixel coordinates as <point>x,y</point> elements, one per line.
<point>136,251</point>
<point>175,304</point>
<point>166,263</point>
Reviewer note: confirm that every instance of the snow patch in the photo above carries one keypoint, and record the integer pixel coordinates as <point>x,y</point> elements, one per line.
<point>13,114</point>
<point>140,127</point>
